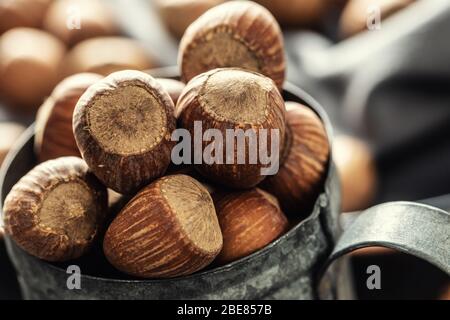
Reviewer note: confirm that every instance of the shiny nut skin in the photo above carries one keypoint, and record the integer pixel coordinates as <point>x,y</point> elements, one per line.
<point>96,20</point>
<point>177,15</point>
<point>29,64</point>
<point>53,129</point>
<point>355,14</point>
<point>22,13</point>
<point>168,229</point>
<point>357,170</point>
<point>304,163</point>
<point>117,53</point>
<point>249,220</point>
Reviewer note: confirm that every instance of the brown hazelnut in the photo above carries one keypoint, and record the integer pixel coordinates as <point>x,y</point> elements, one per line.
<point>355,16</point>
<point>123,126</point>
<point>9,133</point>
<point>22,13</point>
<point>232,99</point>
<point>234,34</point>
<point>249,221</point>
<point>53,130</point>
<point>304,162</point>
<point>106,55</point>
<point>356,167</point>
<point>373,251</point>
<point>168,229</point>
<point>73,21</point>
<point>173,88</point>
<point>445,294</point>
<point>55,211</point>
<point>189,170</point>
<point>177,15</point>
<point>29,61</point>
<point>297,12</point>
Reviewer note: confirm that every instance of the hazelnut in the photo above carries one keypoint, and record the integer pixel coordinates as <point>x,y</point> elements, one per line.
<point>94,19</point>
<point>22,13</point>
<point>356,167</point>
<point>55,211</point>
<point>189,170</point>
<point>123,126</point>
<point>234,34</point>
<point>29,61</point>
<point>173,87</point>
<point>304,161</point>
<point>373,251</point>
<point>9,133</point>
<point>177,15</point>
<point>168,229</point>
<point>249,221</point>
<point>232,99</point>
<point>53,130</point>
<point>445,294</point>
<point>106,55</point>
<point>297,12</point>
<point>354,17</point>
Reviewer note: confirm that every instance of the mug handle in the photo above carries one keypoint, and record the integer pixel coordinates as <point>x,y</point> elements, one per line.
<point>413,228</point>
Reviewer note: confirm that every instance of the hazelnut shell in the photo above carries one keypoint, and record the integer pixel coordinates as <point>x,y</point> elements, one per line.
<point>297,12</point>
<point>304,162</point>
<point>53,130</point>
<point>95,18</point>
<point>168,229</point>
<point>56,210</point>
<point>22,13</point>
<point>123,125</point>
<point>249,221</point>
<point>105,55</point>
<point>177,15</point>
<point>29,62</point>
<point>234,34</point>
<point>355,15</point>
<point>231,98</point>
<point>357,170</point>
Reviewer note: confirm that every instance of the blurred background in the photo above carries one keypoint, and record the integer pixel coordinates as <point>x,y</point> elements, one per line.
<point>379,68</point>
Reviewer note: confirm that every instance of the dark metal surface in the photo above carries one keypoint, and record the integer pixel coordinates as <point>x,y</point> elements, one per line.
<point>416,229</point>
<point>287,268</point>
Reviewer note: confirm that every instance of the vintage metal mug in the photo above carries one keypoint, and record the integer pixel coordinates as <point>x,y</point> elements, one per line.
<point>288,268</point>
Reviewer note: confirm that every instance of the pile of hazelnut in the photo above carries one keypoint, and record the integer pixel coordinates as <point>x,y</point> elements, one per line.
<point>97,136</point>
<point>352,15</point>
<point>45,41</point>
